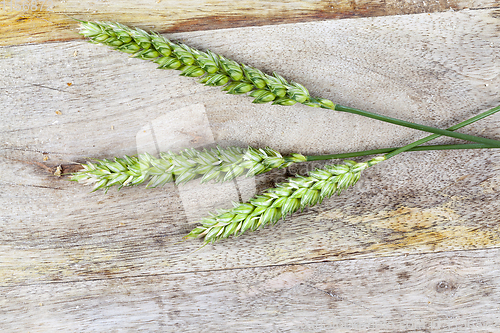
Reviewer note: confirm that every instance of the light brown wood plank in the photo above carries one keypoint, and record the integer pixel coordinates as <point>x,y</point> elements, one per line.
<point>435,69</point>
<point>442,292</point>
<point>30,25</point>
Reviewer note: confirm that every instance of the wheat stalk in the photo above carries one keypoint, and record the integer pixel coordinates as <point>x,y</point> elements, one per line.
<point>217,164</point>
<point>214,164</point>
<point>216,70</point>
<point>300,192</point>
<point>281,201</point>
<point>221,165</point>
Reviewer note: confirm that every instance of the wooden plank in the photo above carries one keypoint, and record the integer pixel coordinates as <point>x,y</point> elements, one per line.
<point>442,292</point>
<point>48,20</point>
<point>58,232</point>
<point>435,69</point>
<point>369,260</point>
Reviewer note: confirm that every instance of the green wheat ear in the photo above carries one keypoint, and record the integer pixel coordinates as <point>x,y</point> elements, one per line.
<point>216,70</point>
<point>277,203</point>
<point>211,68</point>
<point>219,164</point>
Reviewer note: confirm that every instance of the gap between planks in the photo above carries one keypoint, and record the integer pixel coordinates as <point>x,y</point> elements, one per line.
<point>173,16</point>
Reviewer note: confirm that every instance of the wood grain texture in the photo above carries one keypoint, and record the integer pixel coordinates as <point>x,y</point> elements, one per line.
<point>95,261</point>
<point>433,201</point>
<point>59,232</point>
<point>448,292</point>
<point>29,25</point>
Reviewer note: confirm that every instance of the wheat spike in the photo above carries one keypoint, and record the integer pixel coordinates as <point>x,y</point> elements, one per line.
<point>216,70</point>
<point>213,69</point>
<point>219,164</point>
<point>281,201</point>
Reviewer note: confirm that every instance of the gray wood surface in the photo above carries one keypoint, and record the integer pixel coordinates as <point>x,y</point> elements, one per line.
<point>440,292</point>
<point>416,241</point>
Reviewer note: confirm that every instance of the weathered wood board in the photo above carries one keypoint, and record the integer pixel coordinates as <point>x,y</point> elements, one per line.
<point>441,292</point>
<point>415,242</point>
<point>27,21</point>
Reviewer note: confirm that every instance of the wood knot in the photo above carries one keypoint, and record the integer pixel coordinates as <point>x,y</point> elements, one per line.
<point>444,286</point>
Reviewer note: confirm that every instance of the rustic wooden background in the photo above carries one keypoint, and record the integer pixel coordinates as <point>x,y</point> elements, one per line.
<point>414,247</point>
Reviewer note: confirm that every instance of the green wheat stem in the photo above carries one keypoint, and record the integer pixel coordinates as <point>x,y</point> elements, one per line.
<point>216,70</point>
<point>452,128</point>
<point>437,132</point>
<point>215,164</point>
<point>298,193</point>
<point>287,198</point>
<point>389,150</point>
